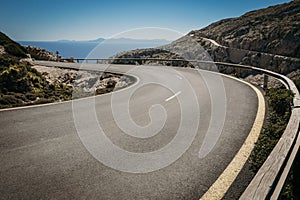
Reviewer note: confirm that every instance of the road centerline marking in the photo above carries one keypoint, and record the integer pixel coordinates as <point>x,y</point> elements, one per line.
<point>179,77</point>
<point>171,97</point>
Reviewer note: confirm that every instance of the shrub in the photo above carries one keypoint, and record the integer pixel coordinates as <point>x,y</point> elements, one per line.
<point>111,84</point>
<point>12,47</point>
<point>297,83</point>
<point>15,50</point>
<point>43,101</point>
<point>279,101</point>
<point>32,96</point>
<point>9,101</point>
<point>291,189</point>
<point>5,62</point>
<point>103,90</point>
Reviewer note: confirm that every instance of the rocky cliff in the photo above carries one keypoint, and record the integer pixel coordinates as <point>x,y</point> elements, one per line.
<point>274,30</point>
<point>40,54</point>
<point>267,38</point>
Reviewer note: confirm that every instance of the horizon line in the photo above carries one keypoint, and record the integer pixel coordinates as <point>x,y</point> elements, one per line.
<point>94,40</point>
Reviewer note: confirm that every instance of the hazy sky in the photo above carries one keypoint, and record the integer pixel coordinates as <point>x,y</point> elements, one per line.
<point>83,20</point>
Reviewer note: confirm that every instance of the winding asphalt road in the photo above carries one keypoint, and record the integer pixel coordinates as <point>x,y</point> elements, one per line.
<point>43,157</point>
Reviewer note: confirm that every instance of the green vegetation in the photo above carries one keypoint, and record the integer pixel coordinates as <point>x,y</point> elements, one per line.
<point>297,83</point>
<point>20,85</point>
<point>109,88</point>
<point>11,47</point>
<point>20,78</point>
<point>291,190</point>
<point>6,61</point>
<point>280,101</point>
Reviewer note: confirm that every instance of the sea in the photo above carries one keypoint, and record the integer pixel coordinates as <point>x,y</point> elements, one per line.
<point>81,49</point>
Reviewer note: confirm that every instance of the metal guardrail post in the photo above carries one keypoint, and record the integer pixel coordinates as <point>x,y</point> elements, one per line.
<point>265,85</point>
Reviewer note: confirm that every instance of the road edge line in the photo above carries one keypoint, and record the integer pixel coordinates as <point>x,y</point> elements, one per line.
<point>72,100</point>
<point>219,188</point>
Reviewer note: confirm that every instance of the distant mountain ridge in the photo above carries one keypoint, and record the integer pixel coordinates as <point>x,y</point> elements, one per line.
<point>99,48</point>
<point>96,40</point>
<point>110,40</point>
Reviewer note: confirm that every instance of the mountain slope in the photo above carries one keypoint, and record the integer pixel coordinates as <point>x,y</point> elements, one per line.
<point>267,38</point>
<point>275,30</point>
<point>20,84</point>
<point>11,47</point>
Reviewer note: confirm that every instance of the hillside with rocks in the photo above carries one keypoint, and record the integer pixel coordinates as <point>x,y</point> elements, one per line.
<point>23,84</point>
<point>10,48</point>
<point>274,30</point>
<point>20,84</point>
<point>267,38</point>
<point>40,54</point>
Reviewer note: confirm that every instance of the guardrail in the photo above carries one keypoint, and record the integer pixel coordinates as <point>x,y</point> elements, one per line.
<point>122,59</point>
<point>269,180</point>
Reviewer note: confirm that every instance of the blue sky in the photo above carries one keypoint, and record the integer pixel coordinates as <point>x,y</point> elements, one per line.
<point>83,20</point>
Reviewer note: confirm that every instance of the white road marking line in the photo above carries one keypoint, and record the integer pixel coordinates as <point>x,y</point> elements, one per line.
<point>218,189</point>
<point>178,93</point>
<point>179,77</point>
<point>68,101</point>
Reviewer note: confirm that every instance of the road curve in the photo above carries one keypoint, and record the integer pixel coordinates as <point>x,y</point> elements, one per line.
<point>42,156</point>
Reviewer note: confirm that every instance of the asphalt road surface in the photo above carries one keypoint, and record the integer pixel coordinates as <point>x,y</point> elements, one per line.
<point>43,155</point>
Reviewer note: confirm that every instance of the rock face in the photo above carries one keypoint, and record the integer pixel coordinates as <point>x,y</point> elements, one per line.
<point>274,30</point>
<point>267,38</point>
<point>87,81</point>
<point>2,50</point>
<point>40,54</point>
<point>154,53</point>
<point>267,60</point>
